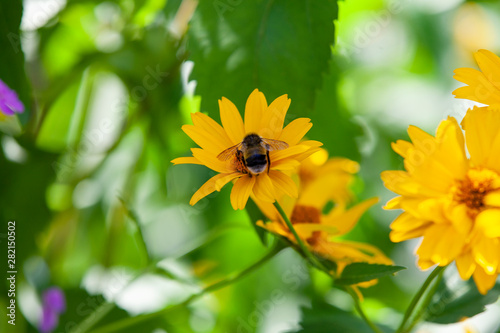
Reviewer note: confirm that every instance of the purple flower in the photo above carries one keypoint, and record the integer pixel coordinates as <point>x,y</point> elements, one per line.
<point>54,303</point>
<point>9,102</point>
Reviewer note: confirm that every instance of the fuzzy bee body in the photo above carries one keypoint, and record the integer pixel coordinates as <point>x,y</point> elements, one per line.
<point>253,153</point>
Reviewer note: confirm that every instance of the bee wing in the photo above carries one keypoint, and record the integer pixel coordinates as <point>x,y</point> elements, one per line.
<point>228,153</point>
<point>271,144</point>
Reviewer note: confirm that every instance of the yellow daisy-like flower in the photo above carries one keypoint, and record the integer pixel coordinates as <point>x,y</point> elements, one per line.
<point>263,120</point>
<point>482,86</point>
<point>450,200</point>
<point>325,182</point>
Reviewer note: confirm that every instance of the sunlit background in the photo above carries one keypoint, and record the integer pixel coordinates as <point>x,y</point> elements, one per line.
<point>108,86</point>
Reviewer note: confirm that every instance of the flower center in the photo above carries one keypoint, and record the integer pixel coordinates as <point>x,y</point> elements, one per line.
<point>306,175</point>
<point>307,214</point>
<point>472,190</point>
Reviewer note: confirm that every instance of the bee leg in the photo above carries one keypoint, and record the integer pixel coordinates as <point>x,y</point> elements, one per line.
<point>268,162</point>
<point>240,157</point>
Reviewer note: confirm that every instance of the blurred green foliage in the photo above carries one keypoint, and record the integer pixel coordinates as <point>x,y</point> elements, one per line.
<point>107,87</point>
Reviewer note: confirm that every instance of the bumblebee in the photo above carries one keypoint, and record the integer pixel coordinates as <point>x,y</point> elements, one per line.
<point>253,153</point>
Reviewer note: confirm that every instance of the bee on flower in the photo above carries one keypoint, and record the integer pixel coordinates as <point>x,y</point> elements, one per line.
<point>257,154</point>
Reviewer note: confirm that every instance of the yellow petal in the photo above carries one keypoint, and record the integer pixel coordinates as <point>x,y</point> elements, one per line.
<point>437,162</point>
<point>394,203</point>
<point>318,192</point>
<point>212,128</point>
<point>312,150</point>
<point>231,120</point>
<point>374,255</point>
<point>465,265</point>
<point>204,139</point>
<point>486,253</point>
<point>420,139</point>
<point>448,247</point>
<point>285,164</point>
<point>264,188</point>
<point>484,281</point>
<point>366,284</point>
<point>468,76</point>
<point>490,66</point>
<point>277,155</point>
<point>241,191</point>
<point>431,210</point>
<point>276,228</point>
<point>295,131</point>
<point>219,184</point>
<point>403,183</point>
<point>211,161</point>
<point>274,117</point>
<point>397,236</point>
<point>305,230</point>
<point>482,128</point>
<point>283,183</point>
<point>401,147</point>
<point>348,219</point>
<point>489,222</point>
<point>337,164</point>
<point>254,111</point>
<point>492,199</point>
<point>268,209</point>
<point>206,189</point>
<point>407,221</point>
<point>479,88</point>
<point>312,143</point>
<point>425,264</point>
<point>459,217</point>
<point>441,244</point>
<point>339,251</point>
<point>186,160</point>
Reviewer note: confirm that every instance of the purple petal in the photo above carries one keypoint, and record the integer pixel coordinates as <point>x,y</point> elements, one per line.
<point>5,108</point>
<point>9,101</point>
<point>53,299</point>
<point>49,321</point>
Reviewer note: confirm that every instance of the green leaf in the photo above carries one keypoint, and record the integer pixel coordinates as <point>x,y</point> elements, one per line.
<point>327,318</point>
<point>331,121</point>
<point>362,272</point>
<point>452,303</point>
<point>279,47</point>
<point>58,120</point>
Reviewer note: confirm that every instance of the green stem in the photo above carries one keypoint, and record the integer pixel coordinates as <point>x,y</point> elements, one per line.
<point>100,312</point>
<point>133,216</point>
<point>425,302</point>
<point>358,307</point>
<point>77,126</point>
<point>313,260</point>
<point>103,309</point>
<point>417,297</point>
<point>120,325</point>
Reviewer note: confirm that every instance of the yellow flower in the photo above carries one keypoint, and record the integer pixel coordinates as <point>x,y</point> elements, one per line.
<point>336,172</point>
<point>450,200</point>
<point>482,86</point>
<point>326,181</point>
<point>263,120</point>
